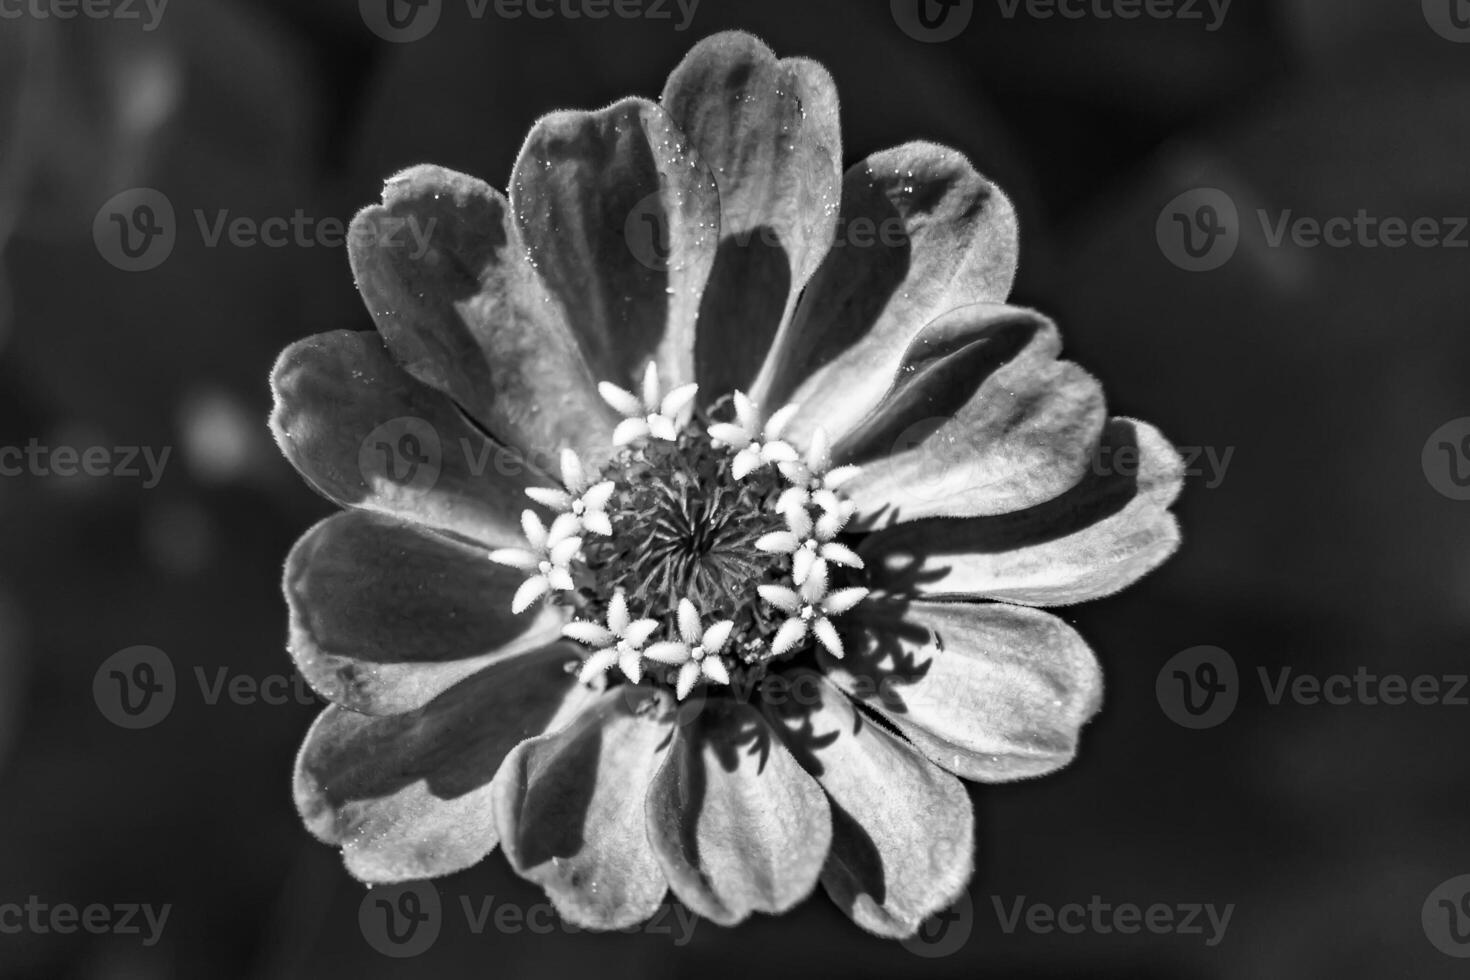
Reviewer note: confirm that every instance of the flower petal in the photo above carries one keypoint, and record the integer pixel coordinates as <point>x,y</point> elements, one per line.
<point>688,674</point>
<point>717,636</point>
<point>769,131</point>
<point>621,219</point>
<point>736,824</point>
<point>365,434</point>
<point>630,662</point>
<point>1101,536</point>
<point>569,809</point>
<point>689,625</point>
<point>408,796</point>
<point>714,670</point>
<point>781,597</point>
<point>903,830</point>
<point>617,613</point>
<point>792,632</point>
<point>550,497</point>
<point>982,419</point>
<point>670,652</point>
<point>989,691</point>
<point>724,433</point>
<point>624,401</point>
<point>385,616</point>
<point>599,663</point>
<point>640,630</point>
<point>826,634</point>
<point>447,281</point>
<point>592,634</point>
<point>941,236</point>
<point>630,431</point>
<point>531,589</point>
<point>778,542</point>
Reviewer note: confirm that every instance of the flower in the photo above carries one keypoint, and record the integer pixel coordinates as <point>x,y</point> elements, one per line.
<point>548,557</point>
<point>584,501</point>
<point>619,642</point>
<point>809,542</point>
<point>650,415</point>
<point>697,653</point>
<point>864,471</point>
<point>754,444</point>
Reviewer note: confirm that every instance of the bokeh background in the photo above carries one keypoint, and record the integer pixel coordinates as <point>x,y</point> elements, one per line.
<point>1329,543</point>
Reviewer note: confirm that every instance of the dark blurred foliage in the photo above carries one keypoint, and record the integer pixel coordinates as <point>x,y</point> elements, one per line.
<point>1323,548</point>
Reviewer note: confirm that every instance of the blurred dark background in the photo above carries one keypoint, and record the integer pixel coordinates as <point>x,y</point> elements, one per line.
<point>1329,544</point>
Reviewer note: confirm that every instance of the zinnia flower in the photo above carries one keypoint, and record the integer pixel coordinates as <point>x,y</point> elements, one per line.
<point>669,703</point>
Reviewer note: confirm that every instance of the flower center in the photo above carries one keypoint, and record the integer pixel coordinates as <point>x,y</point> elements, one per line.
<point>698,551</point>
<point>685,528</point>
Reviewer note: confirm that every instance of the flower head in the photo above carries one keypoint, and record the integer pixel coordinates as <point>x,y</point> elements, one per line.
<point>754,444</point>
<point>619,642</point>
<point>648,415</point>
<point>548,557</point>
<point>870,532</point>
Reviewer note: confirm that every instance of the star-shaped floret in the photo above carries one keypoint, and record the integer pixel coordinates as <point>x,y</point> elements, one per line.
<point>815,481</point>
<point>619,642</point>
<point>697,652</point>
<point>548,558</point>
<point>582,499</point>
<point>648,415</point>
<point>754,445</point>
<point>810,544</point>
<point>810,612</point>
